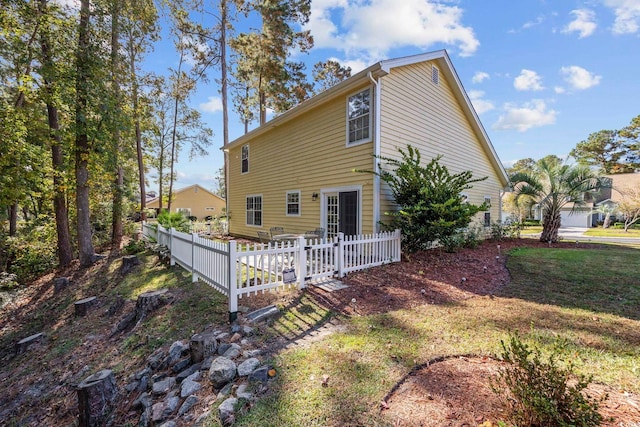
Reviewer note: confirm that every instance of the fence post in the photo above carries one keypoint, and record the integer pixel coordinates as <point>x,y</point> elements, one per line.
<point>397,245</point>
<point>172,261</point>
<point>302,262</point>
<point>194,274</point>
<point>233,281</point>
<point>340,242</point>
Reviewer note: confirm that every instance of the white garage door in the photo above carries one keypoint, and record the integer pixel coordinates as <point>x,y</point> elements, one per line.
<point>576,219</point>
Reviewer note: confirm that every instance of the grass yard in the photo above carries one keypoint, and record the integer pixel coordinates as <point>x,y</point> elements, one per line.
<point>532,229</point>
<point>582,301</point>
<point>612,232</point>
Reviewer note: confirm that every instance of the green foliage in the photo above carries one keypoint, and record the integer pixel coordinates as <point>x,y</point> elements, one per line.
<point>174,220</point>
<point>501,231</point>
<point>33,251</point>
<point>543,393</point>
<point>134,247</point>
<point>8,281</point>
<point>430,200</point>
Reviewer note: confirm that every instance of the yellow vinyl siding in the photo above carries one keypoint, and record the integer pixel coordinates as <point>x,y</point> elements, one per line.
<point>415,111</point>
<point>195,198</point>
<point>305,154</point>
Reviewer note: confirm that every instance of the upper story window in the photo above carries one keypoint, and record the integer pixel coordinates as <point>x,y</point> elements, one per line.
<point>293,203</point>
<point>245,158</point>
<point>359,117</point>
<point>254,210</point>
<point>487,201</point>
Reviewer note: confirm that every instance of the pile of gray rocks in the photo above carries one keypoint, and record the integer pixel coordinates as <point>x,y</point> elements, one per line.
<point>167,391</point>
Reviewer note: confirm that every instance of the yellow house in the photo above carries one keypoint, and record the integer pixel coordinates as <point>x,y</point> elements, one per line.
<point>193,200</point>
<point>297,170</point>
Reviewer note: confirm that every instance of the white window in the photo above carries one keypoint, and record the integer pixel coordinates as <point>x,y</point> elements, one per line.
<point>487,201</point>
<point>487,219</point>
<point>184,211</point>
<point>254,210</point>
<point>293,203</point>
<point>359,117</point>
<point>245,159</point>
<point>210,209</point>
<point>435,75</point>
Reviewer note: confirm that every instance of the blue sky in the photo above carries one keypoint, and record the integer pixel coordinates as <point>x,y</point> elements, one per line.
<point>542,74</point>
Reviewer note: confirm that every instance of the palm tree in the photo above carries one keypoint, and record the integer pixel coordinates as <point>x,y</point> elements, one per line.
<point>554,185</point>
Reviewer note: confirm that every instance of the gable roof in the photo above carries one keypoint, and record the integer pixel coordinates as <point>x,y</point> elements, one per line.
<point>181,190</point>
<point>381,69</point>
<point>622,181</point>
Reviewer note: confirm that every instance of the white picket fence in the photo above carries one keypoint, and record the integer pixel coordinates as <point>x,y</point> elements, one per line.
<point>238,270</point>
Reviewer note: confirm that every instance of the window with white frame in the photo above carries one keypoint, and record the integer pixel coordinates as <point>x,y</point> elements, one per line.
<point>293,203</point>
<point>245,158</point>
<point>487,201</point>
<point>254,210</point>
<point>184,211</point>
<point>359,117</point>
<point>487,219</point>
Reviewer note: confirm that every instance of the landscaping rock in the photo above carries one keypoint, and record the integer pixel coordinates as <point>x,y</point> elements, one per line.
<point>222,371</point>
<point>202,346</point>
<point>262,314</point>
<point>164,386</point>
<point>187,405</point>
<point>260,375</point>
<point>176,351</point>
<point>189,387</point>
<point>187,372</point>
<point>233,351</point>
<point>226,411</point>
<point>248,366</point>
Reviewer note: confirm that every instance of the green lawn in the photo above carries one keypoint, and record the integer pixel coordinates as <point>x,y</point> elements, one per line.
<point>612,232</point>
<point>533,229</point>
<point>585,301</point>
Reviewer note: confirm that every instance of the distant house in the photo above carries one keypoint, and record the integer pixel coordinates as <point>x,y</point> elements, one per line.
<point>297,170</point>
<point>612,196</point>
<point>193,200</point>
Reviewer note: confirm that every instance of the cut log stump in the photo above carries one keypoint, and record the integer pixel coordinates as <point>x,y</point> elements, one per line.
<point>83,306</point>
<point>59,283</point>
<point>146,303</point>
<point>128,262</point>
<point>23,344</point>
<point>95,397</point>
<point>202,346</point>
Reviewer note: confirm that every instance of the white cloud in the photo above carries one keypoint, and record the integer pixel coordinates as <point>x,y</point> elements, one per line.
<point>528,80</point>
<point>213,105</point>
<point>355,65</point>
<point>480,76</point>
<point>627,15</point>
<point>480,105</point>
<point>529,115</point>
<point>584,23</point>
<point>372,28</point>
<point>559,89</point>
<point>579,78</point>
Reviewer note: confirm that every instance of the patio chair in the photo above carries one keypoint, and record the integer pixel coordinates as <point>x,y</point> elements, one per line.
<point>276,230</point>
<point>264,237</point>
<point>319,232</point>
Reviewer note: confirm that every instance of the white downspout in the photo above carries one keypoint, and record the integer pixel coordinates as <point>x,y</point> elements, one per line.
<point>376,152</point>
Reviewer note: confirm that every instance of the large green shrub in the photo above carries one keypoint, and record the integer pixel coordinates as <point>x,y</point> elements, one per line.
<point>542,393</point>
<point>32,252</point>
<point>174,220</point>
<point>430,200</point>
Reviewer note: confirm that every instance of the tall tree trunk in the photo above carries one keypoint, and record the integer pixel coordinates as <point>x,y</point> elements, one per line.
<point>118,192</point>
<point>13,219</point>
<point>174,131</point>
<point>138,133</point>
<point>551,226</point>
<point>224,89</point>
<point>61,212</point>
<point>82,148</point>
